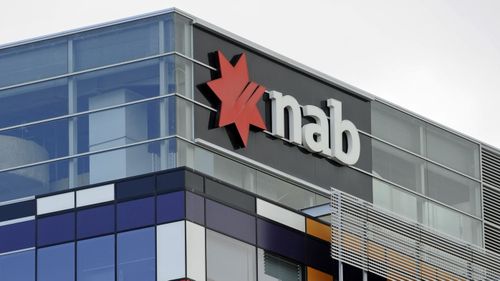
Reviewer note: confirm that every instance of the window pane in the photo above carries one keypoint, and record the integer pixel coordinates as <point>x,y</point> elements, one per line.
<point>96,259</point>
<point>33,61</point>
<point>229,259</point>
<point>178,34</point>
<point>395,199</point>
<point>18,266</point>
<point>273,268</point>
<point>116,44</point>
<point>136,255</point>
<point>118,85</point>
<point>34,102</point>
<point>179,76</point>
<point>397,166</point>
<point>453,151</point>
<point>57,263</point>
<point>171,240</point>
<point>396,127</point>
<point>453,189</point>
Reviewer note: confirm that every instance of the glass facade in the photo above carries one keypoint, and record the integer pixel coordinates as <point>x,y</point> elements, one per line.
<point>116,104</point>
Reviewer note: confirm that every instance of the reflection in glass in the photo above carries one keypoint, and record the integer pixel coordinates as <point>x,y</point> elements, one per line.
<point>136,255</point>
<point>395,199</point>
<point>56,263</point>
<point>229,259</point>
<point>178,34</point>
<point>18,266</point>
<point>272,268</point>
<point>115,44</point>
<point>33,61</point>
<point>96,259</point>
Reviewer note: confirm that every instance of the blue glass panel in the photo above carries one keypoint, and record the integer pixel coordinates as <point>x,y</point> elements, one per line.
<point>96,259</point>
<point>136,255</point>
<point>56,229</point>
<point>18,266</point>
<point>33,61</point>
<point>34,102</point>
<point>281,240</point>
<point>137,213</point>
<point>95,221</point>
<point>170,207</point>
<point>56,263</point>
<point>17,236</point>
<point>115,44</point>
<point>18,210</point>
<point>118,85</point>
<point>138,187</point>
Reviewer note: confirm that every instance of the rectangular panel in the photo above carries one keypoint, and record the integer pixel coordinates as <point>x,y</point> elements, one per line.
<point>136,255</point>
<point>229,195</point>
<point>134,214</point>
<point>95,195</point>
<point>135,188</point>
<point>280,215</point>
<point>316,275</point>
<point>318,255</point>
<point>179,180</point>
<point>281,240</point>
<point>55,203</point>
<point>56,229</point>
<point>95,221</point>
<point>17,236</point>
<point>319,230</point>
<point>195,247</point>
<point>195,208</point>
<point>231,222</point>
<point>273,268</point>
<point>96,259</point>
<point>170,207</point>
<point>18,266</point>
<point>18,210</point>
<point>171,251</point>
<point>56,263</point>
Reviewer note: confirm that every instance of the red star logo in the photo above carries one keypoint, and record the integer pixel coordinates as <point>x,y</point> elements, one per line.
<point>238,97</point>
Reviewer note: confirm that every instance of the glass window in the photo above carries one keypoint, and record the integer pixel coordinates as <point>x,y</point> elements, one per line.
<point>33,61</point>
<point>273,268</point>
<point>453,151</point>
<point>395,199</point>
<point>229,259</point>
<point>96,259</point>
<point>178,34</point>
<point>136,255</point>
<point>179,76</point>
<point>33,102</point>
<point>118,85</point>
<point>115,44</point>
<point>56,263</point>
<point>396,127</point>
<point>171,248</point>
<point>453,189</point>
<point>18,266</point>
<point>397,166</point>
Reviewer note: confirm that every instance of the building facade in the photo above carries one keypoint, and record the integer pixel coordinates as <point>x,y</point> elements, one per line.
<point>163,148</point>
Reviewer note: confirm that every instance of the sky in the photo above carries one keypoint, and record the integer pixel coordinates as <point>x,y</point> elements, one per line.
<point>437,58</point>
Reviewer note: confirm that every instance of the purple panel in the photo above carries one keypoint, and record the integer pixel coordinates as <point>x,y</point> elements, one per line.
<point>318,255</point>
<point>95,221</point>
<point>195,208</point>
<point>136,213</point>
<point>281,240</point>
<point>56,229</point>
<point>17,236</point>
<point>231,222</point>
<point>170,207</point>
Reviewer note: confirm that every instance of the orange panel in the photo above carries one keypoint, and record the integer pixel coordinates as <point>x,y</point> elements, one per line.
<point>317,229</point>
<point>316,275</point>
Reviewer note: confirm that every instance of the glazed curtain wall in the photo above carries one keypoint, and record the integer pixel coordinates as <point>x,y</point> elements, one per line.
<point>93,106</point>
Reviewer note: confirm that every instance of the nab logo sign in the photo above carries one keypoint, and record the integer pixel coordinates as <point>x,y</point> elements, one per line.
<point>239,96</point>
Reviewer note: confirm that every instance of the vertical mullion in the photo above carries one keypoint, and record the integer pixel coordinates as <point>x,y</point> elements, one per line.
<point>72,122</point>
<point>164,122</point>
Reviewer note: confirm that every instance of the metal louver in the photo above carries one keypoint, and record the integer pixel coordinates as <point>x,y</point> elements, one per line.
<point>391,246</point>
<point>491,199</point>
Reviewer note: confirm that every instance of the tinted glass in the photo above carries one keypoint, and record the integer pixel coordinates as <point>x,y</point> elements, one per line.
<point>33,61</point>
<point>136,255</point>
<point>453,151</point>
<point>56,263</point>
<point>272,268</point>
<point>18,266</point>
<point>229,259</point>
<point>395,199</point>
<point>34,102</point>
<point>96,259</point>
<point>178,34</point>
<point>116,44</point>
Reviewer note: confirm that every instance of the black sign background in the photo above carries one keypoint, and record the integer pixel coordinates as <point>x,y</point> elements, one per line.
<point>275,75</point>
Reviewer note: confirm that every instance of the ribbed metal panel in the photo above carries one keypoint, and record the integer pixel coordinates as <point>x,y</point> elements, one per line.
<point>491,167</point>
<point>491,238</point>
<point>399,249</point>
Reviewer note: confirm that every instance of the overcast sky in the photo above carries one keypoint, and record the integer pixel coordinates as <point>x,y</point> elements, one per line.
<point>438,58</point>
